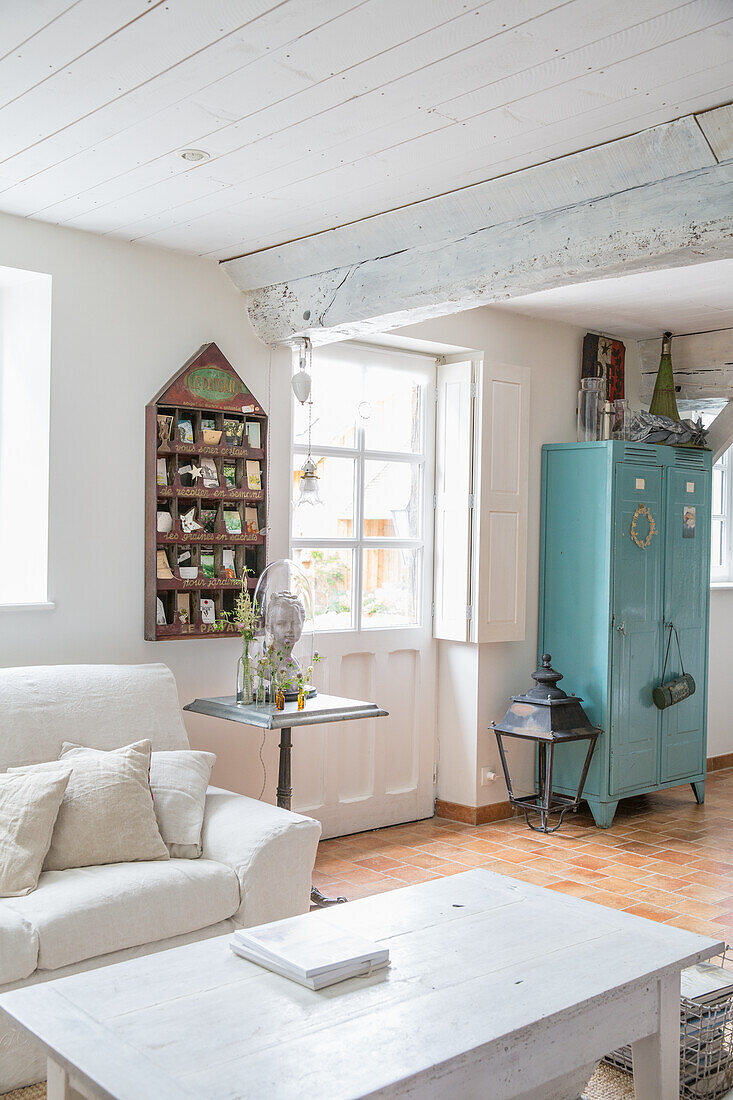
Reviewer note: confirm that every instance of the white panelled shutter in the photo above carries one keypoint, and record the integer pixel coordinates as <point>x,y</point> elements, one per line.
<point>500,586</point>
<point>453,487</point>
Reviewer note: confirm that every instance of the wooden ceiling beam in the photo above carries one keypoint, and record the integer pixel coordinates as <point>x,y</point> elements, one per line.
<point>671,222</point>
<point>670,149</point>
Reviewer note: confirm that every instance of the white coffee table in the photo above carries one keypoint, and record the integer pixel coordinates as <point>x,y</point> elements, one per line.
<point>496,989</point>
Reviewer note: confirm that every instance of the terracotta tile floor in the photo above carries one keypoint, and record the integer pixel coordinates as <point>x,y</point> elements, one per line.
<point>665,858</point>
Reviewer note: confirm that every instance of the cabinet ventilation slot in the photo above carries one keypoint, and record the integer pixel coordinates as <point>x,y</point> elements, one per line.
<point>690,459</point>
<point>640,454</point>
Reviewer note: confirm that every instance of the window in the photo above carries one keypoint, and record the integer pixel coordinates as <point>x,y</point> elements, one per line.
<point>363,547</point>
<point>25,356</point>
<point>721,541</point>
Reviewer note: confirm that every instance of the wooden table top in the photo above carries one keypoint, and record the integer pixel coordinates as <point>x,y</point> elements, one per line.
<point>483,968</point>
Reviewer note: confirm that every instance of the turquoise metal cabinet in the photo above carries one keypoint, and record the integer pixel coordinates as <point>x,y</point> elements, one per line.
<point>606,604</point>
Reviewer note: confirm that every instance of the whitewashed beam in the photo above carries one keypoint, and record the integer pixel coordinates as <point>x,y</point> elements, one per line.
<point>669,223</point>
<point>717,125</point>
<point>703,364</point>
<point>720,433</point>
<point>653,154</point>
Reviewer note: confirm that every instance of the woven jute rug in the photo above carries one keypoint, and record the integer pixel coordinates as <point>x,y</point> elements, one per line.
<point>33,1092</point>
<point>606,1084</point>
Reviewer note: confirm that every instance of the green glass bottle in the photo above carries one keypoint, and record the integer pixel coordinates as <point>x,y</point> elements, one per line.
<point>664,401</point>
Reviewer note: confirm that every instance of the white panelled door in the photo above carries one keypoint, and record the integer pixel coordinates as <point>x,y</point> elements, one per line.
<point>368,552</point>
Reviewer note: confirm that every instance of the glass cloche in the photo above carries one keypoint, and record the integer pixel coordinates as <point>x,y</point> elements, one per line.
<point>286,638</point>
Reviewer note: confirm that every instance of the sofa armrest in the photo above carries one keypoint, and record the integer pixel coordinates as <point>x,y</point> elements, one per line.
<point>271,850</point>
<point>18,946</point>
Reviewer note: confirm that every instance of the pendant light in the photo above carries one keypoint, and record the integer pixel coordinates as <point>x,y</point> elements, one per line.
<point>309,479</point>
<point>301,380</point>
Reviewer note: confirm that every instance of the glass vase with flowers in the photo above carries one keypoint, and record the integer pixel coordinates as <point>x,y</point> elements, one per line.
<point>245,619</point>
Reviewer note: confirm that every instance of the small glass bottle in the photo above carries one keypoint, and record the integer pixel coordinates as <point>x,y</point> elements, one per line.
<point>607,421</point>
<point>621,418</point>
<point>245,688</point>
<point>280,699</point>
<point>301,698</point>
<point>590,406</point>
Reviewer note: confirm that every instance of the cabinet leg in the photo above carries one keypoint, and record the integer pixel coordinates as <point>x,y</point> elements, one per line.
<point>603,812</point>
<point>698,789</point>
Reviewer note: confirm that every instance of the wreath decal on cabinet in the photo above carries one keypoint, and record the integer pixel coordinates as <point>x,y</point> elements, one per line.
<point>642,510</point>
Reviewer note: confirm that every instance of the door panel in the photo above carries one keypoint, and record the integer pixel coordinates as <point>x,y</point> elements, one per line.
<point>637,615</point>
<point>687,558</point>
<point>374,772</point>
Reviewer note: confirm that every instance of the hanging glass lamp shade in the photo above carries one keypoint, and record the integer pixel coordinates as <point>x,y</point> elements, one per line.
<point>301,380</point>
<point>309,485</point>
<point>301,384</point>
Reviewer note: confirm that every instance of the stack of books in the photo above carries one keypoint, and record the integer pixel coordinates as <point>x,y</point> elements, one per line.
<point>706,983</point>
<point>310,951</point>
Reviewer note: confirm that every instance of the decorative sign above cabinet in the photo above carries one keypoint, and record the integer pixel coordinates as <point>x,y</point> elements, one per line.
<point>205,503</point>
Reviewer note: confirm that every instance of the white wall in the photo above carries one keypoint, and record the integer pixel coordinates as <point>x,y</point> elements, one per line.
<point>125,318</point>
<point>25,354</point>
<point>552,351</point>
<point>720,719</point>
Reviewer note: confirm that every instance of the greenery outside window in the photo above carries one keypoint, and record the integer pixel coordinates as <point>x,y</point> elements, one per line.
<point>363,548</point>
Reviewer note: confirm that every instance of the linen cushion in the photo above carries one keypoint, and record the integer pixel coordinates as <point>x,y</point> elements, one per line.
<point>89,911</point>
<point>178,781</point>
<point>29,806</point>
<point>107,813</point>
<point>104,706</point>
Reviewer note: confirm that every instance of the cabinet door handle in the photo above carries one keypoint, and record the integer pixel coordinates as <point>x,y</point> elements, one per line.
<point>622,629</point>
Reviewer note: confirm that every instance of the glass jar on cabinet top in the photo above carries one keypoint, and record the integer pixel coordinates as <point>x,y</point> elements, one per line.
<point>591,399</point>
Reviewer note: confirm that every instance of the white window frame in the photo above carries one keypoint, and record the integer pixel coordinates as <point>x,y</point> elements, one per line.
<point>724,574</point>
<point>707,410</point>
<point>360,454</point>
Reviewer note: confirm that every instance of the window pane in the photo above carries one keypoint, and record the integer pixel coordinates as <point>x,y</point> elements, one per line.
<point>392,500</point>
<point>717,544</point>
<point>336,395</point>
<point>329,572</point>
<point>718,483</point>
<point>390,587</point>
<point>334,519</point>
<point>392,411</point>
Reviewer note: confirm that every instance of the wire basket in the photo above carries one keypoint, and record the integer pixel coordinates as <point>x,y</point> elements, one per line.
<point>706,1048</point>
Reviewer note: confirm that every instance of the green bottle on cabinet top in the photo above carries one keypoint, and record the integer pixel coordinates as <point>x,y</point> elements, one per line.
<point>664,402</point>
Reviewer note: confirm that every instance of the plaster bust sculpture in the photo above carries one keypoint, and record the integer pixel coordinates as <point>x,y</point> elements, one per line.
<point>283,630</point>
<point>284,599</point>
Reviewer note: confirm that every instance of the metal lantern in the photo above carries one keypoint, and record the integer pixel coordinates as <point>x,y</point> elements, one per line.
<point>549,717</point>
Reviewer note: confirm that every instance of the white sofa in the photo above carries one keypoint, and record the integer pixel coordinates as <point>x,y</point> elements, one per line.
<point>256,863</point>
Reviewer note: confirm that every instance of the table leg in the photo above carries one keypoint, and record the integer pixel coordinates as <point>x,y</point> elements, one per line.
<point>58,1086</point>
<point>657,1057</point>
<point>284,790</point>
<point>285,801</point>
<point>321,901</point>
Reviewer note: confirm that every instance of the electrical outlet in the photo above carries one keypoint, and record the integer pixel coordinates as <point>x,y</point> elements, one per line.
<point>487,776</point>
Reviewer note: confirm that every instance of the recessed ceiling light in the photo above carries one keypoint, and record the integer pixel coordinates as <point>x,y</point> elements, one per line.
<point>195,155</point>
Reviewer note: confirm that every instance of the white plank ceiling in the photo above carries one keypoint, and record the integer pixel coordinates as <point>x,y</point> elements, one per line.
<point>696,298</point>
<point>319,113</point>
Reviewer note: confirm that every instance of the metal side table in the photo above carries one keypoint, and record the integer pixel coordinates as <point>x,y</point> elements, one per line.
<point>321,708</point>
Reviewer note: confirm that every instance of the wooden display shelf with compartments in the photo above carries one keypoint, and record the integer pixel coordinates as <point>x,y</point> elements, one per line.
<point>205,498</point>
